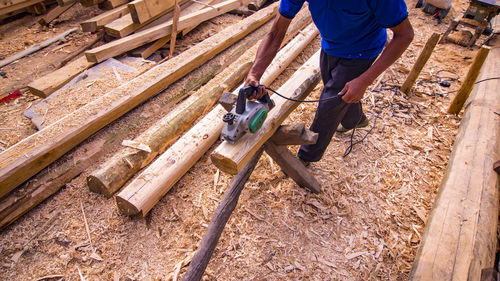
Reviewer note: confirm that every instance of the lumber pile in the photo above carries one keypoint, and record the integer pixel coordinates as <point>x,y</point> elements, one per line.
<point>460,237</point>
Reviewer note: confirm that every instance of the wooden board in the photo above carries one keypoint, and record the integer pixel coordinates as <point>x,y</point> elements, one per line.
<point>54,13</point>
<point>46,85</point>
<point>97,22</point>
<point>120,46</point>
<point>27,157</point>
<point>144,10</point>
<point>460,236</point>
<point>18,6</point>
<point>230,158</point>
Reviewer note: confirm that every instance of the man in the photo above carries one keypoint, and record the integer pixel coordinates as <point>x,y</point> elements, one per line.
<point>353,35</point>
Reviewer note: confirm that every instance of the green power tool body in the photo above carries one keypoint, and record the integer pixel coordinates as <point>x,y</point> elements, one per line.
<point>246,115</point>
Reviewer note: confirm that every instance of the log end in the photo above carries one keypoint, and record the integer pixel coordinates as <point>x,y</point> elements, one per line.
<point>88,26</point>
<point>126,208</point>
<point>224,164</point>
<point>98,186</point>
<point>91,57</point>
<point>33,90</point>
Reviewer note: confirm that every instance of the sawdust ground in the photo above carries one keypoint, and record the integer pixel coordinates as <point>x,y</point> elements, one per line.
<point>365,225</point>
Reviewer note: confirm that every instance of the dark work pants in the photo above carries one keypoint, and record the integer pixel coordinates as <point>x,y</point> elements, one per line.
<point>335,72</point>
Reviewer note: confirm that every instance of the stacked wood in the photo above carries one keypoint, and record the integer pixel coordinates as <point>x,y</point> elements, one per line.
<point>10,7</point>
<point>460,237</point>
<point>27,157</point>
<point>123,165</point>
<point>57,11</point>
<point>99,21</point>
<point>143,192</point>
<point>122,45</point>
<point>230,158</point>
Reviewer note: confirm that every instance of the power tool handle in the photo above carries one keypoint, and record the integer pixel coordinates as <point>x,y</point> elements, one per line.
<point>243,95</point>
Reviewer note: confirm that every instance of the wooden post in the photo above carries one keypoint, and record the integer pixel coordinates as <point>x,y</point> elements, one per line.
<point>115,172</point>
<point>230,158</point>
<point>422,59</point>
<point>218,222</point>
<point>460,236</point>
<point>27,157</point>
<point>175,22</point>
<point>466,87</point>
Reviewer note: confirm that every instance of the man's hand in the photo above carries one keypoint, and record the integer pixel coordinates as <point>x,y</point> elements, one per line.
<point>354,90</point>
<point>261,90</point>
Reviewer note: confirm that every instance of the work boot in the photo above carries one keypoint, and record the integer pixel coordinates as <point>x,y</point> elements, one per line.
<point>361,124</point>
<point>304,162</point>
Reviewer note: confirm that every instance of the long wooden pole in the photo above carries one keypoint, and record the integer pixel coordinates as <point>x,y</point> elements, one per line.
<point>460,236</point>
<point>466,87</point>
<point>114,173</point>
<point>230,158</point>
<point>175,22</point>
<point>35,152</point>
<point>422,59</point>
<point>219,220</point>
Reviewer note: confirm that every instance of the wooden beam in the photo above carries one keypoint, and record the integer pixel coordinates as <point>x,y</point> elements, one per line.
<point>46,85</point>
<point>27,157</point>
<point>218,222</point>
<point>36,47</point>
<point>97,22</point>
<point>175,22</point>
<point>139,197</point>
<point>230,158</point>
<point>143,10</point>
<point>201,4</point>
<point>114,173</point>
<point>466,87</point>
<point>54,13</point>
<point>112,4</point>
<point>122,45</point>
<point>460,236</point>
<point>18,6</point>
<point>422,59</point>
<point>90,3</point>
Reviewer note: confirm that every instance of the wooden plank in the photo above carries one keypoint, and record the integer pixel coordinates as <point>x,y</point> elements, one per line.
<point>175,22</point>
<point>122,45</point>
<point>36,47</point>
<point>471,77</point>
<point>230,158</point>
<point>27,157</point>
<point>218,222</point>
<point>54,13</point>
<point>46,85</point>
<point>422,59</point>
<point>97,22</point>
<point>460,236</point>
<point>112,4</point>
<point>18,6</point>
<point>144,10</point>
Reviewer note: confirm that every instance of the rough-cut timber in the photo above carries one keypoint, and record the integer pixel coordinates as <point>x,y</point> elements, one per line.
<point>122,45</point>
<point>18,5</point>
<point>97,22</point>
<point>27,157</point>
<point>459,239</point>
<point>422,59</point>
<point>36,47</point>
<point>114,173</point>
<point>144,10</point>
<point>466,87</point>
<point>218,221</point>
<point>111,4</point>
<point>138,198</point>
<point>90,3</point>
<point>46,85</point>
<point>230,158</point>
<point>54,13</point>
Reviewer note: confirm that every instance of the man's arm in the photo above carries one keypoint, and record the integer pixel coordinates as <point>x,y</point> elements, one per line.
<point>266,52</point>
<point>354,90</point>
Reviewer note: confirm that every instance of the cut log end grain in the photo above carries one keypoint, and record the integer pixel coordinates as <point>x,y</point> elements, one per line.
<point>97,186</point>
<point>222,163</point>
<point>127,208</point>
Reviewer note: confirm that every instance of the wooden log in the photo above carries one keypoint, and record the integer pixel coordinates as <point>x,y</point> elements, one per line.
<point>114,173</point>
<point>218,222</point>
<point>27,157</point>
<point>122,45</point>
<point>54,13</point>
<point>97,22</point>
<point>230,158</point>
<point>292,166</point>
<point>466,87</point>
<point>175,22</point>
<point>36,47</point>
<point>422,59</point>
<point>46,85</point>
<point>460,239</point>
<point>138,198</point>
<point>111,176</point>
<point>255,5</point>
<point>112,4</point>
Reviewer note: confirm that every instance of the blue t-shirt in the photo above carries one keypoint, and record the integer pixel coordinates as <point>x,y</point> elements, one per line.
<point>351,28</point>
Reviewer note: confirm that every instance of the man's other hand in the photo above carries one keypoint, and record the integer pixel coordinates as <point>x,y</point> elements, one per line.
<point>354,90</point>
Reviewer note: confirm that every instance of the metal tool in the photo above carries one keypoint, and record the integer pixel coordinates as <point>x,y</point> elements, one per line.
<point>246,115</point>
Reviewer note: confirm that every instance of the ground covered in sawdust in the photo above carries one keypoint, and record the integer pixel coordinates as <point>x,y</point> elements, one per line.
<point>366,224</point>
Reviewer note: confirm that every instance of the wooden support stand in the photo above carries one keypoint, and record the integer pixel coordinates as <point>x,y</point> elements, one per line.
<point>420,63</point>
<point>290,134</point>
